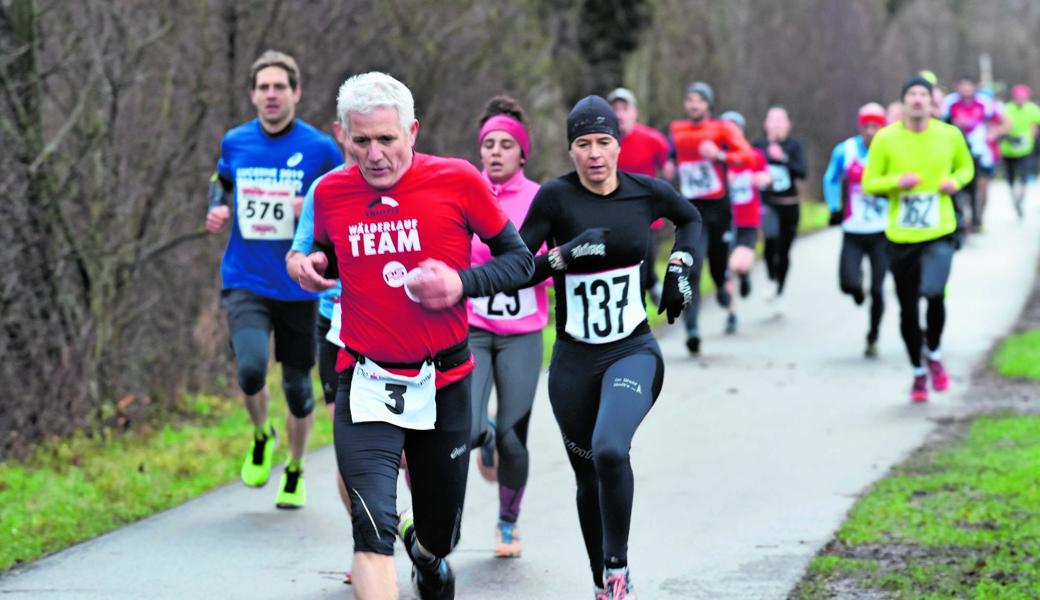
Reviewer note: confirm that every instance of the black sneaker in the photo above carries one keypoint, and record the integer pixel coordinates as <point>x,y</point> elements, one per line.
<point>693,344</point>
<point>434,581</point>
<point>745,286</point>
<point>731,324</point>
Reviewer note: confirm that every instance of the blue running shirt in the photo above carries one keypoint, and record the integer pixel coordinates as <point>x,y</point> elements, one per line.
<point>268,171</point>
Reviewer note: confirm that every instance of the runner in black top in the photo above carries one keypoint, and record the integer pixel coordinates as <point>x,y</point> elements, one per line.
<point>781,211</point>
<point>606,369</point>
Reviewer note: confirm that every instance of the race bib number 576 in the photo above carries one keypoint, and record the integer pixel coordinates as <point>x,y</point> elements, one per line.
<point>265,211</point>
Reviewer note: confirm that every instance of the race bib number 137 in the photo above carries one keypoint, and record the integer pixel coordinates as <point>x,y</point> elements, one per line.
<point>265,211</point>
<point>604,307</point>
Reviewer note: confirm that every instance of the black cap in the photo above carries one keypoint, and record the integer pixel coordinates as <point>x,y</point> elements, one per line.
<point>592,114</point>
<point>916,80</point>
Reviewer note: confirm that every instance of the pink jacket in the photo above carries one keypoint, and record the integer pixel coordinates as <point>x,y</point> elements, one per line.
<point>527,310</point>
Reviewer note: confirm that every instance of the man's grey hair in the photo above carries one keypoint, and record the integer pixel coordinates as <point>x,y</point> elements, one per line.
<point>368,91</point>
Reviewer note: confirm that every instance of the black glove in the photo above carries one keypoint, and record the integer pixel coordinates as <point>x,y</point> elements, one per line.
<point>676,291</point>
<point>591,242</point>
<point>836,217</point>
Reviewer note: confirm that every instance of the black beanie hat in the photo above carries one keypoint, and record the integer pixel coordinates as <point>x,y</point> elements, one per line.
<point>916,80</point>
<point>592,114</point>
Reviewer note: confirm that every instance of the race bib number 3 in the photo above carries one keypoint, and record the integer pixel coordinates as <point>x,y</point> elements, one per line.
<point>698,179</point>
<point>603,307</point>
<point>265,211</point>
<point>379,395</point>
<point>502,306</point>
<point>918,211</point>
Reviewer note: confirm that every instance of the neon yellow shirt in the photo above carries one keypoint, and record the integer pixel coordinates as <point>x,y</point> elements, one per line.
<point>935,154</point>
<point>1019,141</point>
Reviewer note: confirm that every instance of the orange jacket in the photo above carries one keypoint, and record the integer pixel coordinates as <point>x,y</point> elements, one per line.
<point>699,177</point>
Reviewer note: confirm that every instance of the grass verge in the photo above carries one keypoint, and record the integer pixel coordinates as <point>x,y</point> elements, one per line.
<point>959,520</point>
<point>1019,356</point>
<point>73,489</point>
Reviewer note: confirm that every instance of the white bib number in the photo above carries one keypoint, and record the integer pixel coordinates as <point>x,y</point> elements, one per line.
<point>379,395</point>
<point>503,306</point>
<point>740,190</point>
<point>698,179</point>
<point>604,307</point>
<point>265,211</point>
<point>869,214</point>
<point>333,333</point>
<point>918,211</point>
<point>781,178</point>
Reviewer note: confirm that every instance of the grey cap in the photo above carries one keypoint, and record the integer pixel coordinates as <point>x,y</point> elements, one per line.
<point>699,87</point>
<point>734,117</point>
<point>624,94</point>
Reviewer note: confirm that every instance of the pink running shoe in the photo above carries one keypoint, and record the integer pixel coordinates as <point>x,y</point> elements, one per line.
<point>619,585</point>
<point>940,380</point>
<point>919,391</point>
<point>600,594</point>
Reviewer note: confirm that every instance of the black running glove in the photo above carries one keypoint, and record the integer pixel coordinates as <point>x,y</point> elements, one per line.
<point>836,217</point>
<point>676,291</point>
<point>591,242</point>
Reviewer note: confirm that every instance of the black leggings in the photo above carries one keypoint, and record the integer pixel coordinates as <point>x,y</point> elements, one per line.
<point>780,225</point>
<point>921,271</point>
<point>327,355</point>
<point>369,456</point>
<point>854,247</point>
<point>600,395</point>
<point>715,245</point>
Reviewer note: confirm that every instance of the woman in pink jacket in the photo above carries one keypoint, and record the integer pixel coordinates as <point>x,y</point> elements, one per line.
<point>505,330</point>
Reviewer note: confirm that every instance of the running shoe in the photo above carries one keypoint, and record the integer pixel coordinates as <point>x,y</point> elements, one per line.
<point>731,324</point>
<point>434,581</point>
<point>919,391</point>
<point>600,594</point>
<point>693,344</point>
<point>348,578</point>
<point>292,491</point>
<point>871,350</point>
<point>745,285</point>
<point>487,458</point>
<point>507,540</point>
<point>619,584</point>
<point>256,468</point>
<point>940,380</point>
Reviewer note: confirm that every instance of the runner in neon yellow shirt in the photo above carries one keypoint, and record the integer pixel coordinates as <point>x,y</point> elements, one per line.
<point>1018,143</point>
<point>920,163</point>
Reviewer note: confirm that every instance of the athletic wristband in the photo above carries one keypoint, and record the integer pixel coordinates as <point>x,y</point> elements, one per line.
<point>685,257</point>
<point>556,259</point>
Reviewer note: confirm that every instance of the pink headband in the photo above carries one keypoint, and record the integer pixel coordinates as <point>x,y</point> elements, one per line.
<point>512,127</point>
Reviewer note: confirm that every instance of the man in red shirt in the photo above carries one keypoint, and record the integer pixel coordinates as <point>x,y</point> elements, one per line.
<point>705,148</point>
<point>395,228</point>
<point>644,150</point>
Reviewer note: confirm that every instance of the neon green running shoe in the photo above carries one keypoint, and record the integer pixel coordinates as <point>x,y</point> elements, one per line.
<point>292,491</point>
<point>256,468</point>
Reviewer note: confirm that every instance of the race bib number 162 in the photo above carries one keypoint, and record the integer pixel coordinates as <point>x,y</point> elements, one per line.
<point>918,211</point>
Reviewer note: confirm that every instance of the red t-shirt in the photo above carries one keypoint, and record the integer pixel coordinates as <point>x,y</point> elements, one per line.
<point>746,200</point>
<point>644,151</point>
<point>381,235</point>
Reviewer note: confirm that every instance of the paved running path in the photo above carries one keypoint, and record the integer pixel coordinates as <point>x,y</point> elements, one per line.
<point>744,468</point>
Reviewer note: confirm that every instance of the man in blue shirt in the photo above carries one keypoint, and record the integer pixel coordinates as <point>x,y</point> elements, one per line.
<point>265,166</point>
